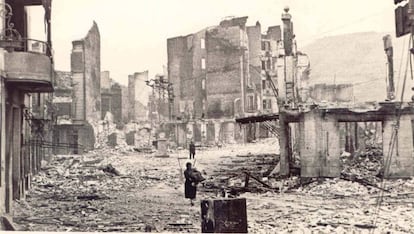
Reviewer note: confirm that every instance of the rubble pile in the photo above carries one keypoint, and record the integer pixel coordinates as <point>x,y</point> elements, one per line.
<point>111,191</point>
<point>364,166</point>
<point>232,173</point>
<point>75,193</point>
<point>400,186</point>
<point>335,187</point>
<point>106,190</point>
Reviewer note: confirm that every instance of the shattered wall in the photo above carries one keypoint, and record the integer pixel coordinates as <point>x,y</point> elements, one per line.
<point>106,95</point>
<point>226,73</point>
<point>116,101</point>
<point>254,33</point>
<point>137,96</point>
<point>187,68</point>
<point>200,68</point>
<point>179,66</point>
<point>73,139</point>
<point>86,70</point>
<point>86,91</point>
<point>63,97</point>
<point>105,80</point>
<point>125,103</point>
<point>92,73</point>
<point>216,73</point>
<point>106,103</point>
<point>209,70</point>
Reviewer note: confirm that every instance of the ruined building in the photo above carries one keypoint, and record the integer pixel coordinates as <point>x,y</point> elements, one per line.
<point>221,73</point>
<point>25,111</point>
<point>116,102</point>
<point>137,98</point>
<point>111,96</point>
<point>77,132</point>
<point>318,123</point>
<point>159,105</point>
<point>105,94</point>
<point>125,104</point>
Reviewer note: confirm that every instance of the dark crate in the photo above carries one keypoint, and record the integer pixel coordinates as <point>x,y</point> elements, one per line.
<point>224,215</point>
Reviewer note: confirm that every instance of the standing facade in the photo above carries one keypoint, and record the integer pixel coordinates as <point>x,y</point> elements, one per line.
<point>221,73</point>
<point>78,133</point>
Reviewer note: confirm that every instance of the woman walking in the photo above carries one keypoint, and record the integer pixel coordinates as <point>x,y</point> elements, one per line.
<point>190,189</point>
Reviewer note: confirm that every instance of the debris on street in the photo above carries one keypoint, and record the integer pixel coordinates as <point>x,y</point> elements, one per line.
<point>74,193</point>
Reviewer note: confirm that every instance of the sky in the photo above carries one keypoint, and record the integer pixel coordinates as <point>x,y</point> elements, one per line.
<point>134,32</point>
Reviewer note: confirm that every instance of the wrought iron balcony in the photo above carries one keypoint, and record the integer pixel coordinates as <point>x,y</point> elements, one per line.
<point>25,45</point>
<point>28,62</point>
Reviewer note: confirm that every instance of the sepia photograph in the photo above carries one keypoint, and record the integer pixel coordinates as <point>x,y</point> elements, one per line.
<point>218,116</point>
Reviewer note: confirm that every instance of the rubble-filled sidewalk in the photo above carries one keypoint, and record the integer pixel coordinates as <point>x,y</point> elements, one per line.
<point>111,191</point>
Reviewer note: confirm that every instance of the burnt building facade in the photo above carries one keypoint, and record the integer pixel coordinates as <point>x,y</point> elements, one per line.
<point>221,73</point>
<point>111,98</point>
<point>75,133</point>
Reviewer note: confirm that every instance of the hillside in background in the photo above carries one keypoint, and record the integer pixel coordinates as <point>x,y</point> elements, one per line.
<point>359,59</point>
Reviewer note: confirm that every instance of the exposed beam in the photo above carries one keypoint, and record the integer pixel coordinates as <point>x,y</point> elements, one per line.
<point>258,118</point>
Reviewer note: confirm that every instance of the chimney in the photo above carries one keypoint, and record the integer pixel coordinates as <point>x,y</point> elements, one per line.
<point>287,32</point>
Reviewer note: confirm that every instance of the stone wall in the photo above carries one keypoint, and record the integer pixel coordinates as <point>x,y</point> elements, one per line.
<point>85,67</point>
<point>92,72</point>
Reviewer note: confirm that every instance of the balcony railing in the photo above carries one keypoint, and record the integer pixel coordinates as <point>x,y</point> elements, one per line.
<point>25,45</point>
<point>28,65</point>
<point>11,39</point>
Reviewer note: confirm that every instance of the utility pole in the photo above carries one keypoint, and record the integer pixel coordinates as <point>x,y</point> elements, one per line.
<point>161,86</point>
<point>171,96</point>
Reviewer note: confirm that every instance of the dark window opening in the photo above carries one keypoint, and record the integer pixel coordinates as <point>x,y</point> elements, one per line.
<point>263,65</point>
